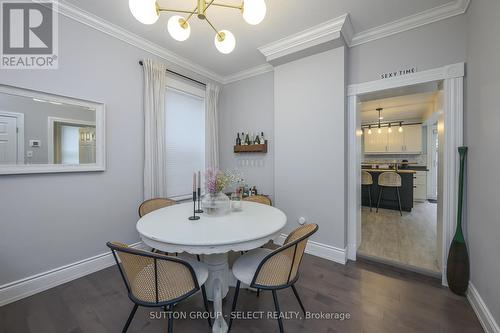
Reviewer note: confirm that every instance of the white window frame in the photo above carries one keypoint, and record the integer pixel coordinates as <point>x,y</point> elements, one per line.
<point>181,86</point>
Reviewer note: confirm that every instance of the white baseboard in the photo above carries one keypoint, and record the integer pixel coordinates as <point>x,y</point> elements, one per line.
<point>320,250</point>
<point>31,285</point>
<point>485,317</point>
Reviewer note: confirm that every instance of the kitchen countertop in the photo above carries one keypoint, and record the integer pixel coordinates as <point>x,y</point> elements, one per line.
<point>384,170</point>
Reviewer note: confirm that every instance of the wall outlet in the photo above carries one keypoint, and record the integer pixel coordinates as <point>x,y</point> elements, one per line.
<point>301,220</point>
<point>29,153</point>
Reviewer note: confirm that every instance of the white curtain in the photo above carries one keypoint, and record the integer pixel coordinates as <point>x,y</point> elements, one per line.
<point>212,126</point>
<point>155,176</point>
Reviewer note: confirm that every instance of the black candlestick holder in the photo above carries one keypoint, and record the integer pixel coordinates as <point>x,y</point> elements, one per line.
<point>194,217</point>
<point>199,210</point>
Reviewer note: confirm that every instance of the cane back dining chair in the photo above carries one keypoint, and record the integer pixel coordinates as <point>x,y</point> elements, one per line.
<point>389,179</point>
<point>156,280</point>
<point>259,199</point>
<point>265,269</point>
<point>367,181</point>
<point>153,204</point>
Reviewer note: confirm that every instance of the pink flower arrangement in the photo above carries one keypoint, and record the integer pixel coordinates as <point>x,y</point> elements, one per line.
<point>216,180</point>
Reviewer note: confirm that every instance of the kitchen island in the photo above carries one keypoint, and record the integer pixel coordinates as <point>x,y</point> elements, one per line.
<point>389,197</point>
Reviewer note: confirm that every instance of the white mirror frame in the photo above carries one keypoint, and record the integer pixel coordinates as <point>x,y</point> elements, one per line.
<point>100,123</point>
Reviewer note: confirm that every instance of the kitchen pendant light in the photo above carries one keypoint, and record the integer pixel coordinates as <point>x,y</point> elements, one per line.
<point>148,12</point>
<point>369,129</point>
<point>379,131</point>
<point>389,129</point>
<point>400,130</point>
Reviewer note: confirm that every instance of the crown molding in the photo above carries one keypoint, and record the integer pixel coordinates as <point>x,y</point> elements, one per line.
<point>98,23</point>
<point>447,10</point>
<point>322,33</point>
<point>248,73</point>
<point>339,28</point>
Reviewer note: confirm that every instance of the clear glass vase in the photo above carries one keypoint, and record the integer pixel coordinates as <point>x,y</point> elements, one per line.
<point>216,204</point>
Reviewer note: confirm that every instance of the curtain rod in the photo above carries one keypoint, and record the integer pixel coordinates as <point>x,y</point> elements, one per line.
<point>179,74</point>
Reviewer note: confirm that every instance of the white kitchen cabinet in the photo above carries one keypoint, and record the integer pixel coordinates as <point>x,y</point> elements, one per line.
<point>375,142</point>
<point>395,141</point>
<point>412,139</point>
<point>407,142</point>
<point>420,186</point>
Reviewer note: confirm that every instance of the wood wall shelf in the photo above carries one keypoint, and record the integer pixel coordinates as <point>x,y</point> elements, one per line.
<point>251,148</point>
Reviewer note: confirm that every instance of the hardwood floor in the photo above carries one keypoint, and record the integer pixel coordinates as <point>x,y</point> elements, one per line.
<point>410,240</point>
<point>378,299</point>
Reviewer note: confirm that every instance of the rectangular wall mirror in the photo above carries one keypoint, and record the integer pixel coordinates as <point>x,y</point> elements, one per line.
<point>42,132</point>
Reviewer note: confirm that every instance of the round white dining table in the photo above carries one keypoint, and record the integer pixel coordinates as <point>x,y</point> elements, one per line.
<point>168,229</point>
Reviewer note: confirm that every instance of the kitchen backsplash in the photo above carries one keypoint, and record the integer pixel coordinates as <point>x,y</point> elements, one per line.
<point>419,159</point>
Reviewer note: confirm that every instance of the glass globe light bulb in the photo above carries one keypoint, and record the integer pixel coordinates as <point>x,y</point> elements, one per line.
<point>254,11</point>
<point>178,28</point>
<point>400,130</point>
<point>144,11</point>
<point>225,41</point>
<point>369,131</point>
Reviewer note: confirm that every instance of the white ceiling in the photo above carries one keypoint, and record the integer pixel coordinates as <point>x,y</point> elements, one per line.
<point>284,17</point>
<point>409,107</point>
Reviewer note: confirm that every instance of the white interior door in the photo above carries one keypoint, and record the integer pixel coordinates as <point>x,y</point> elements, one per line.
<point>8,140</point>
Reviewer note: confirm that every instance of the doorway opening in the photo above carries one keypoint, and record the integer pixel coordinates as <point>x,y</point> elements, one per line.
<point>452,78</point>
<point>399,178</point>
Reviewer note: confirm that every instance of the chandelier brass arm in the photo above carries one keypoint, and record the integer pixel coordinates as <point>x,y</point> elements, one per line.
<point>148,12</point>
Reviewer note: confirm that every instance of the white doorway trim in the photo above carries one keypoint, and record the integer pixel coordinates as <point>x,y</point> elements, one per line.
<point>20,133</point>
<point>453,101</point>
<point>50,132</point>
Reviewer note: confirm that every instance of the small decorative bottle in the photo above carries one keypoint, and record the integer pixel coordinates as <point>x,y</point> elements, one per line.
<point>247,139</point>
<point>257,140</point>
<point>262,138</point>
<point>238,140</point>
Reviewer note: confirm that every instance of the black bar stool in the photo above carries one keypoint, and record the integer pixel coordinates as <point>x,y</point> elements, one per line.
<point>389,179</point>
<point>367,181</point>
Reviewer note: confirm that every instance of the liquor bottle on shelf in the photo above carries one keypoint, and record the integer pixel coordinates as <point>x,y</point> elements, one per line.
<point>262,138</point>
<point>254,190</point>
<point>238,140</point>
<point>247,139</point>
<point>257,140</point>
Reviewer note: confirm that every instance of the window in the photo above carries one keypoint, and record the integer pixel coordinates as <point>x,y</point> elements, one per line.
<point>185,136</point>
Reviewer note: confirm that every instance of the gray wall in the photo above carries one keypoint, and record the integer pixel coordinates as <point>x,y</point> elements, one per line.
<point>481,135</point>
<point>309,99</point>
<point>36,121</point>
<point>431,46</point>
<point>248,105</point>
<point>38,231</point>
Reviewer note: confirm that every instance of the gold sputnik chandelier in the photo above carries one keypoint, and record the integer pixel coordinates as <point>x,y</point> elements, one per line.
<point>148,12</point>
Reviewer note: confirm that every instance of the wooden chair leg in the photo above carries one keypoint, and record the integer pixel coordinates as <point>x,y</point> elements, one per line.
<point>298,299</point>
<point>130,317</point>
<point>399,201</point>
<point>233,308</point>
<point>379,196</point>
<point>278,312</point>
<point>205,303</point>
<point>258,292</point>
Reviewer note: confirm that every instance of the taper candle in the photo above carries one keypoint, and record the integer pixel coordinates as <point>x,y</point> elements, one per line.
<point>199,179</point>
<point>194,181</point>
